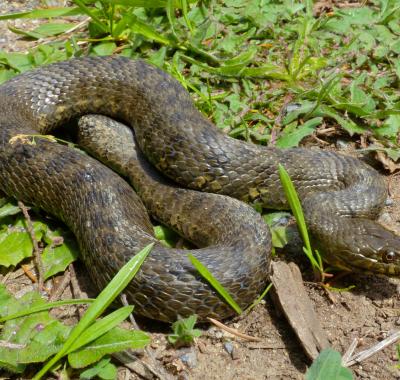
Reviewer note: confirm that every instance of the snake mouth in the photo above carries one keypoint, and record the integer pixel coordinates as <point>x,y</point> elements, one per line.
<point>357,262</point>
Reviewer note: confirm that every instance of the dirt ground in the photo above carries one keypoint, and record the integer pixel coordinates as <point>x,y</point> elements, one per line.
<point>369,312</point>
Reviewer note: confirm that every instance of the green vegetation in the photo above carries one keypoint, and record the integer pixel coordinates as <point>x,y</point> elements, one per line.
<point>295,206</point>
<point>184,332</point>
<point>266,71</point>
<point>31,335</point>
<point>215,284</point>
<point>328,366</point>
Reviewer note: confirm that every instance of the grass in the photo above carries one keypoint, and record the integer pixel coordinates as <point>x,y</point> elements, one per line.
<point>293,199</point>
<point>184,332</point>
<point>87,342</point>
<point>270,72</point>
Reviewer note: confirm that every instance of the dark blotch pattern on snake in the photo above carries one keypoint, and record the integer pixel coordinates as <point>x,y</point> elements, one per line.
<point>340,195</point>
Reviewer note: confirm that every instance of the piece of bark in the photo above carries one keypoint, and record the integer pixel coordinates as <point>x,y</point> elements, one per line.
<point>290,296</point>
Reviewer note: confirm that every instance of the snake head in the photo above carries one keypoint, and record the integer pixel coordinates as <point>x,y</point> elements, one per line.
<point>370,247</point>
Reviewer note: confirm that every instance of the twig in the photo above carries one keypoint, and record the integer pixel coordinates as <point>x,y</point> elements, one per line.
<point>5,278</point>
<point>234,331</point>
<point>154,367</point>
<point>77,26</point>
<point>267,347</point>
<point>357,358</point>
<point>139,367</point>
<point>36,251</point>
<point>76,291</point>
<point>59,290</point>
<point>347,355</point>
<point>125,302</point>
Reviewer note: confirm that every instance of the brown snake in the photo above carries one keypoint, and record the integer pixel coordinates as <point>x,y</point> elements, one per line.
<point>340,195</point>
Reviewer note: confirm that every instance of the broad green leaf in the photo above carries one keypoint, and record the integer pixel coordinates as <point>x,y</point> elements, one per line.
<point>115,340</point>
<point>53,28</point>
<point>56,259</point>
<point>6,75</point>
<point>279,236</point>
<point>26,33</point>
<point>347,124</point>
<point>17,61</point>
<point>9,209</point>
<point>104,299</point>
<point>30,339</point>
<point>103,370</point>
<point>101,326</point>
<point>14,247</point>
<point>244,58</point>
<point>16,243</point>
<point>390,128</point>
<point>328,366</point>
<point>104,48</point>
<point>293,138</point>
<point>149,32</point>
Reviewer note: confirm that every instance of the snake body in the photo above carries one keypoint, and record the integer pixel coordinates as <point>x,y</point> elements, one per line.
<point>341,196</point>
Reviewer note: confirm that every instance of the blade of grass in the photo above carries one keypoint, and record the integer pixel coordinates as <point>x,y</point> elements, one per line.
<point>170,10</point>
<point>294,202</point>
<point>295,205</point>
<point>43,13</point>
<point>259,298</point>
<point>89,12</point>
<point>214,283</point>
<point>101,326</point>
<point>105,298</point>
<point>47,306</point>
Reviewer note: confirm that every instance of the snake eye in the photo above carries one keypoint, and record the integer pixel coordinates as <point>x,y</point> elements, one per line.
<point>389,257</point>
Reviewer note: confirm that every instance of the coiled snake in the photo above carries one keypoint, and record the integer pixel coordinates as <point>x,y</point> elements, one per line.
<point>340,195</point>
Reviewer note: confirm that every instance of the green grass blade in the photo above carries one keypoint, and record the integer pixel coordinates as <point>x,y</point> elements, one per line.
<point>101,326</point>
<point>141,3</point>
<point>170,10</point>
<point>214,283</point>
<point>105,298</point>
<point>295,205</point>
<point>47,306</point>
<point>294,202</point>
<point>43,13</point>
<point>260,297</point>
<point>185,12</point>
<point>89,12</point>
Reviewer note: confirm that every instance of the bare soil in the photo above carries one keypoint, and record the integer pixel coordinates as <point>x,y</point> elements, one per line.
<point>369,312</point>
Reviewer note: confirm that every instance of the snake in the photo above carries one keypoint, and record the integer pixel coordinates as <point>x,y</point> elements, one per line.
<point>202,187</point>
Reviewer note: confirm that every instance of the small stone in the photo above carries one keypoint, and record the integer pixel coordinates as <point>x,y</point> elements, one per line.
<point>389,202</point>
<point>202,347</point>
<point>228,346</point>
<point>340,144</point>
<point>385,217</point>
<point>189,359</point>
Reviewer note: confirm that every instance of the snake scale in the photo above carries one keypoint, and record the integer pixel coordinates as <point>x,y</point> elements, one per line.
<point>341,196</point>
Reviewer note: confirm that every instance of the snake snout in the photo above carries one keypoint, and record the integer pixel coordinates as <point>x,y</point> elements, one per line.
<point>383,251</point>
